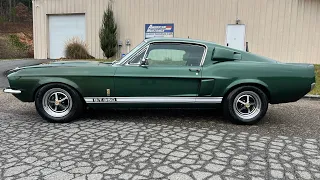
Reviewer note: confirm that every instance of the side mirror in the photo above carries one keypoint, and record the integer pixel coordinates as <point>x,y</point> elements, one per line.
<point>144,62</point>
<point>222,54</point>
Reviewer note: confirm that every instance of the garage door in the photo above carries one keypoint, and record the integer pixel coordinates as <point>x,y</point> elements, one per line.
<point>61,29</point>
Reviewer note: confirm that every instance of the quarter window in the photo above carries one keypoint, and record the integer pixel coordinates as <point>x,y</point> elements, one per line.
<point>138,57</point>
<point>174,54</point>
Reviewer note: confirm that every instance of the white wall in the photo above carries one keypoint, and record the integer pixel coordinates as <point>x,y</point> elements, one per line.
<point>287,30</point>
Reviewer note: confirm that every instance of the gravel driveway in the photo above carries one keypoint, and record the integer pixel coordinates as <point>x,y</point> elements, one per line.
<point>160,144</point>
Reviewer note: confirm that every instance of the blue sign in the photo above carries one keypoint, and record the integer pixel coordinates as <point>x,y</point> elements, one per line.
<point>159,30</point>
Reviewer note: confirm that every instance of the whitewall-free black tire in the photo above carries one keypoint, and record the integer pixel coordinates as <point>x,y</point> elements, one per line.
<point>58,103</point>
<point>245,105</point>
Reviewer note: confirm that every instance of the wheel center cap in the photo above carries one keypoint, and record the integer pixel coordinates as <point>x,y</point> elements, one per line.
<point>247,105</point>
<point>57,103</point>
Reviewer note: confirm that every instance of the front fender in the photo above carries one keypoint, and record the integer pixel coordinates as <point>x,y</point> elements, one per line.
<point>48,80</point>
<point>29,85</point>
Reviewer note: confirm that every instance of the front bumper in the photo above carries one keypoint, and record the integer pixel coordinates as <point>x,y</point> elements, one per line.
<point>11,91</point>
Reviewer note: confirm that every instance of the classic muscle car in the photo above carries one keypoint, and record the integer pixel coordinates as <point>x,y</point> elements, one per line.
<point>164,72</point>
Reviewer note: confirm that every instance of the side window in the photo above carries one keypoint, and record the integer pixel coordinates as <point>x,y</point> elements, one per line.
<point>174,54</point>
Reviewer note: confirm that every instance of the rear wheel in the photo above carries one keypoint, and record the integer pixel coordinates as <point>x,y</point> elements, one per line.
<point>58,103</point>
<point>245,105</point>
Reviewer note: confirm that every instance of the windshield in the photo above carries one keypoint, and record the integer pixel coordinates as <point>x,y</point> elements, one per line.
<point>130,53</point>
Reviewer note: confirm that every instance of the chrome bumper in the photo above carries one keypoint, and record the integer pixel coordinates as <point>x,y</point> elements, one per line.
<point>11,91</point>
<point>313,85</point>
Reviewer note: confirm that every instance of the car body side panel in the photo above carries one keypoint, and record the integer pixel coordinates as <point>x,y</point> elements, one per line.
<point>131,81</point>
<point>88,81</point>
<point>285,82</point>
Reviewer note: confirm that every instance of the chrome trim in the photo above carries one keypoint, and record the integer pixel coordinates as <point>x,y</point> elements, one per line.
<point>145,53</point>
<point>139,52</point>
<point>209,99</point>
<point>120,100</point>
<point>12,91</point>
<point>167,41</point>
<point>313,85</point>
<point>247,105</point>
<point>57,102</point>
<point>128,57</point>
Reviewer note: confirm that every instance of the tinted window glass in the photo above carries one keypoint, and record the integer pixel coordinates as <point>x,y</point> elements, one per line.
<point>174,54</point>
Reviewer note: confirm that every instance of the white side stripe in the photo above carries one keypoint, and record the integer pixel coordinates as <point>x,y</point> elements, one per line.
<point>103,100</point>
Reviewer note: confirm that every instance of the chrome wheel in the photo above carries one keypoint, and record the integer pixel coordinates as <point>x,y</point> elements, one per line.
<point>247,105</point>
<point>57,102</point>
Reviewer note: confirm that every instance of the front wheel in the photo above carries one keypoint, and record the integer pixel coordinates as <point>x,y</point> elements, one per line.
<point>58,103</point>
<point>246,105</point>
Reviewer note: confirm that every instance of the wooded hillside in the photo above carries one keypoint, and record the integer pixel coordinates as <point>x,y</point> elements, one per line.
<point>15,11</point>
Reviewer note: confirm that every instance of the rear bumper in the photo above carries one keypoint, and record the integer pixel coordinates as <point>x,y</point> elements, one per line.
<point>11,91</point>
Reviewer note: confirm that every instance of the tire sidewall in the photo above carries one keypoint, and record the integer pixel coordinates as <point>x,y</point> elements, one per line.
<point>230,112</point>
<point>76,108</point>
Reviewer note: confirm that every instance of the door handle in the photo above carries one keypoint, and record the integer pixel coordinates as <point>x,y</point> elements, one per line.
<point>194,69</point>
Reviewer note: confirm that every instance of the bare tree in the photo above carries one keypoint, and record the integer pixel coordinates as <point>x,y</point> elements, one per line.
<point>14,12</point>
<point>10,10</point>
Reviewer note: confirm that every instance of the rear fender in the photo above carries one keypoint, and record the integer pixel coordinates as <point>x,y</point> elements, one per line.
<point>244,82</point>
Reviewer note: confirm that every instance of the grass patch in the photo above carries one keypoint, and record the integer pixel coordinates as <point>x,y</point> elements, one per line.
<point>15,41</point>
<point>107,60</point>
<point>12,48</point>
<point>316,90</point>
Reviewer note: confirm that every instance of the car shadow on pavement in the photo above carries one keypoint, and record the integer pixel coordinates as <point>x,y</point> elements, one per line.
<point>158,115</point>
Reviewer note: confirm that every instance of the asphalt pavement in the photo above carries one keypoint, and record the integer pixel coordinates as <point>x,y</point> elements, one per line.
<point>6,65</point>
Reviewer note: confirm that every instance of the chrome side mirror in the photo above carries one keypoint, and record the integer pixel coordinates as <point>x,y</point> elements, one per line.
<point>144,62</point>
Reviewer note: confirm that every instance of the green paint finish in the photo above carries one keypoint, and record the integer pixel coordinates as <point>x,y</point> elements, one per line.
<point>206,87</point>
<point>283,82</point>
<point>138,81</point>
<point>89,79</point>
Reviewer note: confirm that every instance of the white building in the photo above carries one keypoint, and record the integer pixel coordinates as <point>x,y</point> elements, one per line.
<point>286,30</point>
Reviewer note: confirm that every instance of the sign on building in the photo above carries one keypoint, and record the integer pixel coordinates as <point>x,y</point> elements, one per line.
<point>159,30</point>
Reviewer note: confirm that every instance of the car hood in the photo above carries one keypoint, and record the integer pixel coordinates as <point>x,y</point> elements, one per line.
<point>69,64</point>
<point>57,64</point>
<point>65,64</point>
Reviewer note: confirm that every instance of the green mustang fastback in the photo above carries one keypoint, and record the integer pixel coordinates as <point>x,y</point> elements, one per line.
<point>164,73</point>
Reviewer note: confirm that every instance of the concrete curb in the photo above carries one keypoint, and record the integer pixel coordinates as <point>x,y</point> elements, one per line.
<point>309,96</point>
